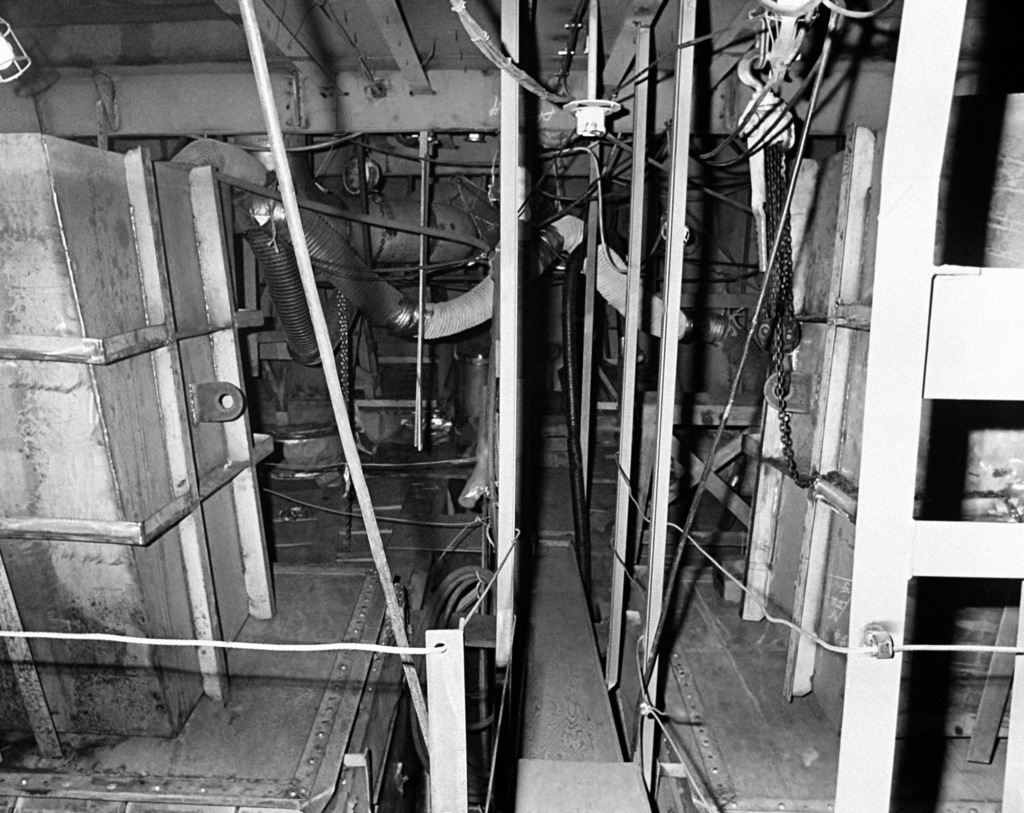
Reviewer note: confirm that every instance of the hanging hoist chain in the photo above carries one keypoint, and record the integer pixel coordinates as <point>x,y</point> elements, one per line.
<point>779,331</point>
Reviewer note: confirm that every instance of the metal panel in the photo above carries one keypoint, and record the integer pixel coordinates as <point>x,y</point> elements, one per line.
<point>446,695</point>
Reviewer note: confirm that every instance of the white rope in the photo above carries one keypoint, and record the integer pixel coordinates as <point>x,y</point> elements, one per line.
<point>246,645</point>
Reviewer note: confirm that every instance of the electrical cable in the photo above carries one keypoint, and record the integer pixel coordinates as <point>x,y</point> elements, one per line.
<point>647,708</point>
<point>857,15</point>
<point>482,40</point>
<point>420,523</point>
<point>490,584</point>
<point>641,72</point>
<point>322,145</point>
<point>345,214</point>
<point>424,159</point>
<point>702,484</point>
<point>574,25</point>
<point>707,190</point>
<point>422,464</point>
<point>245,645</point>
<point>776,129</point>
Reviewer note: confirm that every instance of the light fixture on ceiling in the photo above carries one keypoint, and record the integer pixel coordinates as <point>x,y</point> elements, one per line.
<point>13,59</point>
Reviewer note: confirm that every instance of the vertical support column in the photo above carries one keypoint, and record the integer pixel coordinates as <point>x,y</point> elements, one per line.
<point>424,143</point>
<point>627,388</point>
<point>203,604</point>
<point>587,356</point>
<point>669,352</point>
<point>446,701</point>
<point>507,315</point>
<point>922,92</point>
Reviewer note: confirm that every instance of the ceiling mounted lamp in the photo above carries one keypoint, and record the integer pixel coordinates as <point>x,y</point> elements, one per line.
<point>13,59</point>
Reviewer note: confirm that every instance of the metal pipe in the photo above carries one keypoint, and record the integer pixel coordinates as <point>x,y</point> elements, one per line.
<point>348,442</point>
<point>593,37</point>
<point>422,289</point>
<point>627,389</point>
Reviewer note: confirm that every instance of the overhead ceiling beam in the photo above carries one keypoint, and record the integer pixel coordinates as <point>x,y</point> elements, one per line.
<point>293,27</point>
<point>621,55</point>
<point>391,22</point>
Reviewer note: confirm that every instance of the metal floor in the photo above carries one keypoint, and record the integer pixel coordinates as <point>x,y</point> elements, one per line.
<point>279,741</point>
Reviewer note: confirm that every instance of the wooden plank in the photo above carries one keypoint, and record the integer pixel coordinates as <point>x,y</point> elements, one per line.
<point>761,542</point>
<point>295,31</point>
<point>388,14</point>
<point>720,490</point>
<point>834,374</point>
<point>446,698</point>
<point>29,686</point>
<point>996,691</point>
<point>1013,788</point>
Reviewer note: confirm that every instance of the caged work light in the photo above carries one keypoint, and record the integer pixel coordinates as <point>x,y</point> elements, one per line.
<point>13,59</point>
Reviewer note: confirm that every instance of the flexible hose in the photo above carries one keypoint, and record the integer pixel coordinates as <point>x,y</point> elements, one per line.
<point>225,158</point>
<point>281,274</point>
<point>381,302</point>
<point>611,284</point>
<point>571,398</point>
<point>282,277</point>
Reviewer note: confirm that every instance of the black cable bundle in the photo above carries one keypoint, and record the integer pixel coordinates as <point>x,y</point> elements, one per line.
<point>571,399</point>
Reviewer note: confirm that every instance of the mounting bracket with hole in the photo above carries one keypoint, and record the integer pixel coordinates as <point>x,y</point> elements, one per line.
<point>215,402</point>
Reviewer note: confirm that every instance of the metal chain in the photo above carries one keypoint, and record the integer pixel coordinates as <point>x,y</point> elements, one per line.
<point>780,319</point>
<point>1012,509</point>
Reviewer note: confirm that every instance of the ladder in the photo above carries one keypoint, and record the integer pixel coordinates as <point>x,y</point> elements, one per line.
<point>919,350</point>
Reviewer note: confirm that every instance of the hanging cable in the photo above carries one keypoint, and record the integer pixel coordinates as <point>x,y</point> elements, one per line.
<point>574,25</point>
<point>640,73</point>
<point>487,47</point>
<point>421,523</point>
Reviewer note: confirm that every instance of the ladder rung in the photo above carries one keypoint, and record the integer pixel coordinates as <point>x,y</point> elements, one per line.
<point>974,550</point>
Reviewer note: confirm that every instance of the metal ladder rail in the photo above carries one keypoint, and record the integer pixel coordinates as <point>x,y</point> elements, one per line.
<point>905,365</point>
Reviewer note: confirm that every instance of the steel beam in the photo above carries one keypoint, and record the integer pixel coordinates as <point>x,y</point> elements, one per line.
<point>669,352</point>
<point>220,98</point>
<point>293,28</point>
<point>631,332</point>
<point>508,313</point>
<point>391,22</point>
<point>621,54</point>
